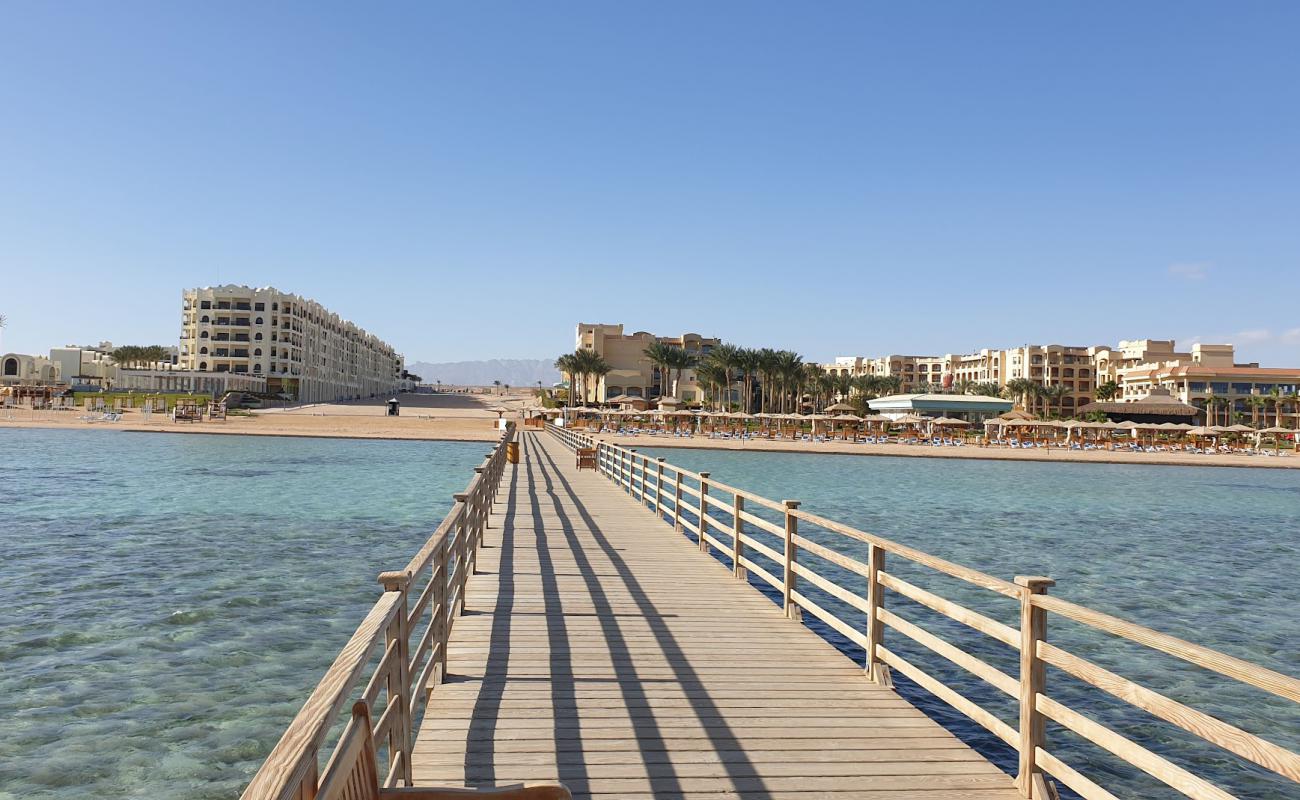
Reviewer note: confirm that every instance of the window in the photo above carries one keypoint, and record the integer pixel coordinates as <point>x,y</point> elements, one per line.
<point>259,307</point>
<point>203,351</point>
<point>206,304</point>
<point>257,336</point>
<point>205,318</point>
<point>259,321</point>
<point>257,351</point>
<point>1197,386</point>
<point>257,368</point>
<point>203,335</point>
<point>275,306</point>
<point>203,365</point>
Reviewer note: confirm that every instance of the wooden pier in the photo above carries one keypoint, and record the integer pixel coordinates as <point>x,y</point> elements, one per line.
<point>564,625</point>
<point>600,650</point>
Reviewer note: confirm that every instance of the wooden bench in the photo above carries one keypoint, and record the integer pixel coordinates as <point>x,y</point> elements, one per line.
<point>586,457</point>
<point>353,774</point>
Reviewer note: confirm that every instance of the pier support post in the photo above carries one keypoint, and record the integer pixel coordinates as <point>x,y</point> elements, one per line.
<point>704,511</point>
<point>877,671</point>
<point>792,609</point>
<point>737,547</point>
<point>1033,677</point>
<point>659,489</point>
<point>399,676</point>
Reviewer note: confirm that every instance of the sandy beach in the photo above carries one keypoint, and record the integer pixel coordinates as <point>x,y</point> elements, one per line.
<point>466,417</point>
<point>969,451</point>
<point>446,417</point>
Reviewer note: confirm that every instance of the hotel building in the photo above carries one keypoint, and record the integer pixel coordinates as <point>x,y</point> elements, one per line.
<point>632,373</point>
<point>297,345</point>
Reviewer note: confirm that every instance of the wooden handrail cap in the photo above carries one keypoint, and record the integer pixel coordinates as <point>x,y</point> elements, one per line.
<point>705,474</point>
<point>791,503</point>
<point>394,581</point>
<point>479,469</point>
<point>460,497</point>
<point>1035,583</point>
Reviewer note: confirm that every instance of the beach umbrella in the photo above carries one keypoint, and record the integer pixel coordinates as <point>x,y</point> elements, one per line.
<point>838,407</point>
<point>1276,432</point>
<point>949,422</point>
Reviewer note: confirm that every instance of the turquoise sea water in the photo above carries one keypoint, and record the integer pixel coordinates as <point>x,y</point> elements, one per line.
<point>169,601</point>
<point>1211,555</point>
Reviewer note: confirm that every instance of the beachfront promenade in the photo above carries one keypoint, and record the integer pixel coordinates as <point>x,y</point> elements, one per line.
<point>602,628</point>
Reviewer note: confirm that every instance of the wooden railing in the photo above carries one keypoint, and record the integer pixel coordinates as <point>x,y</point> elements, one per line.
<point>770,545</point>
<point>407,630</point>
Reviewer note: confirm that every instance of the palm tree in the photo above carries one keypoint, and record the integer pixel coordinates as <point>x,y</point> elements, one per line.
<point>1054,394</point>
<point>567,364</point>
<point>595,366</point>
<point>4,323</point>
<point>661,355</point>
<point>1020,390</point>
<point>788,374</point>
<point>1107,391</point>
<point>1256,402</point>
<point>766,369</point>
<point>727,358</point>
<point>748,360</point>
<point>713,378</point>
<point>986,389</point>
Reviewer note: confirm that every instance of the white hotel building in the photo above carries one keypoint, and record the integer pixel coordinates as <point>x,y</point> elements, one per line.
<point>297,345</point>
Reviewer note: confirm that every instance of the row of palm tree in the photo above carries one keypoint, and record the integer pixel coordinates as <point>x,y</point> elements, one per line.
<point>581,366</point>
<point>780,381</point>
<point>1261,405</point>
<point>130,355</point>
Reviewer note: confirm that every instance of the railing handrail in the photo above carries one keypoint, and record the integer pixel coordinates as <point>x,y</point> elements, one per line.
<point>291,770</point>
<point>631,471</point>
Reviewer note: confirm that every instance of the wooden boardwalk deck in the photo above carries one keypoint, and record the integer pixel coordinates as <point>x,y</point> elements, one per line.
<point>600,649</point>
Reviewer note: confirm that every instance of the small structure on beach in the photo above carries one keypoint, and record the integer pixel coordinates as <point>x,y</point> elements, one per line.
<point>967,407</point>
<point>1158,406</point>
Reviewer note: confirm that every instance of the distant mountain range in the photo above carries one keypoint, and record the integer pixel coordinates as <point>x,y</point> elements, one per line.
<point>511,371</point>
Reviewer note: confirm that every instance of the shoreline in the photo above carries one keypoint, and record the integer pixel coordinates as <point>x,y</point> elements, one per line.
<point>479,428</point>
<point>965,452</point>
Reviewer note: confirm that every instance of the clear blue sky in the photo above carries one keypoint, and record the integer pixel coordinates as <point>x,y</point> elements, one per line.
<point>470,180</point>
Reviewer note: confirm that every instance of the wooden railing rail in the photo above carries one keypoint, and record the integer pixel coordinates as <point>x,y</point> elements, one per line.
<point>411,621</point>
<point>760,548</point>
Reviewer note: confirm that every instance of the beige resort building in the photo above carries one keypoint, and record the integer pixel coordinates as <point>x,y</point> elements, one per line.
<point>632,373</point>
<point>297,345</point>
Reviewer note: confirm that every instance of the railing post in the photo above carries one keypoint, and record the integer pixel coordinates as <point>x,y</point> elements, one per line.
<point>478,501</point>
<point>1033,676</point>
<point>877,671</point>
<point>464,530</point>
<point>704,510</point>
<point>792,609</point>
<point>399,684</point>
<point>677,500</point>
<point>631,474</point>
<point>737,547</point>
<point>659,489</point>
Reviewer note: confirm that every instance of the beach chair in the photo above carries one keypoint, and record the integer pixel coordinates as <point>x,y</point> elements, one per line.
<point>353,774</point>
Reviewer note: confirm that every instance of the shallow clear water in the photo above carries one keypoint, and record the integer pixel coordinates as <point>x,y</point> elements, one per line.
<point>1208,554</point>
<point>167,602</point>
